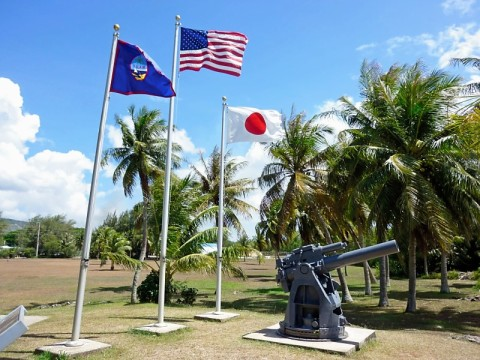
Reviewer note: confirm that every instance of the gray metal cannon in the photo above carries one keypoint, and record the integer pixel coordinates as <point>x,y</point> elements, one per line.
<point>314,307</point>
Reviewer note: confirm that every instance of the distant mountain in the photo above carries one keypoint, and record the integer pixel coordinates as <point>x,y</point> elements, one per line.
<point>14,224</point>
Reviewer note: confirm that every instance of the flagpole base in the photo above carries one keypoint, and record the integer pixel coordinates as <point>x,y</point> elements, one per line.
<point>216,316</point>
<point>161,328</point>
<point>73,348</point>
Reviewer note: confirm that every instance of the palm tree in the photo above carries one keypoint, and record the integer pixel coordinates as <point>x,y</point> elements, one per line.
<point>261,243</point>
<point>246,248</point>
<point>471,91</point>
<point>406,155</point>
<point>298,158</point>
<point>293,179</point>
<point>140,158</point>
<point>108,244</point>
<point>267,227</point>
<point>188,230</point>
<point>234,189</point>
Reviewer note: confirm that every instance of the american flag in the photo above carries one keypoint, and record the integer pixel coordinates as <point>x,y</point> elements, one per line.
<point>220,51</point>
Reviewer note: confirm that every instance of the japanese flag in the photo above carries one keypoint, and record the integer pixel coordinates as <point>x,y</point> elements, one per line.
<point>253,125</point>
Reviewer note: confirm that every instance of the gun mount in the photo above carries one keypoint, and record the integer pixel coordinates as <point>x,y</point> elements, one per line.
<point>314,308</point>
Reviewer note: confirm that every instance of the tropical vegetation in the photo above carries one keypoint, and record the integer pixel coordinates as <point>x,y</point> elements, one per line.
<point>141,158</point>
<point>406,169</point>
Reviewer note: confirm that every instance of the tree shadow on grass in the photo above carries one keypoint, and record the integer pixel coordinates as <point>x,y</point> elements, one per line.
<point>49,335</point>
<point>18,352</point>
<point>265,300</point>
<point>261,278</point>
<point>152,319</point>
<point>34,305</point>
<point>461,286</point>
<point>447,319</point>
<point>269,277</point>
<point>256,304</point>
<point>115,289</point>
<point>430,295</point>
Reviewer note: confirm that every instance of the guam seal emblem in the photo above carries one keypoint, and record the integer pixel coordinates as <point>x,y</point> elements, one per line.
<point>139,67</point>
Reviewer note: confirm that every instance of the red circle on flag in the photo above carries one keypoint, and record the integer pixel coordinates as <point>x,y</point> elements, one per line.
<point>255,124</point>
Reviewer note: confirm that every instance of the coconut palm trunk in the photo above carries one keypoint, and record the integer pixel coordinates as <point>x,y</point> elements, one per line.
<point>412,276</point>
<point>383,298</point>
<point>346,296</point>
<point>425,263</point>
<point>444,288</point>
<point>143,248</point>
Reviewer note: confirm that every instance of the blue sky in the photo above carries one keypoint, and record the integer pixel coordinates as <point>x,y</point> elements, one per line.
<point>305,54</point>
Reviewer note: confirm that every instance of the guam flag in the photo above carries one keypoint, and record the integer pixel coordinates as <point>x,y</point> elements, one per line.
<point>134,72</point>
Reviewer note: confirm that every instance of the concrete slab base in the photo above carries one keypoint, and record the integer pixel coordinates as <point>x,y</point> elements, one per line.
<point>216,316</point>
<point>30,319</point>
<point>161,329</point>
<point>357,337</point>
<point>79,347</point>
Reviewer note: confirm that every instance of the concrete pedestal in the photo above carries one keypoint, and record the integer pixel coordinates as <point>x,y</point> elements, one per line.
<point>80,347</point>
<point>357,337</point>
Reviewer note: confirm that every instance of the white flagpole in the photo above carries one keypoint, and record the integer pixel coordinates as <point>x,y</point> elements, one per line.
<point>218,307</point>
<point>166,190</point>
<point>91,203</point>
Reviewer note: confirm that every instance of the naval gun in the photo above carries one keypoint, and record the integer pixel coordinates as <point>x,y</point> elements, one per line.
<point>314,307</point>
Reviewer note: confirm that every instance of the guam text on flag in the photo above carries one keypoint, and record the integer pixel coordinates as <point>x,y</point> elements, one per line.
<point>135,72</point>
<point>253,125</point>
<point>220,51</point>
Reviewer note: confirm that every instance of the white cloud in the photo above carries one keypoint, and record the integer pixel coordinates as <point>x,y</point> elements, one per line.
<point>114,136</point>
<point>397,42</point>
<point>366,46</point>
<point>46,183</point>
<point>457,42</point>
<point>461,6</point>
<point>181,137</point>
<point>453,42</point>
<point>333,121</point>
<point>24,127</point>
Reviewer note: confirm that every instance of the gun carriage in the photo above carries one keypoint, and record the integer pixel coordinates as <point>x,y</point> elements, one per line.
<point>314,307</point>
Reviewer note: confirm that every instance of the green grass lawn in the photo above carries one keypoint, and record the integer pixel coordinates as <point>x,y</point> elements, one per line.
<point>433,332</point>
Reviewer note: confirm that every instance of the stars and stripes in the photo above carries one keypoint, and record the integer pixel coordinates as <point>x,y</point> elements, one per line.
<point>220,51</point>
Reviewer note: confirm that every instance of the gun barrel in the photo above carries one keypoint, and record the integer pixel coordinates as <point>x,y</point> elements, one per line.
<point>333,247</point>
<point>353,257</point>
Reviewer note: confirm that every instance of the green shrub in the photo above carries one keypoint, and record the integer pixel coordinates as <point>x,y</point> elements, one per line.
<point>28,252</point>
<point>477,285</point>
<point>476,274</point>
<point>432,275</point>
<point>7,253</point>
<point>396,269</point>
<point>189,295</point>
<point>451,275</point>
<point>148,290</point>
<point>49,356</point>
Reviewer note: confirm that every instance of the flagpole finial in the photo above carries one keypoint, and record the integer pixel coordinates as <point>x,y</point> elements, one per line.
<point>224,98</point>
<point>116,27</point>
<point>177,18</point>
